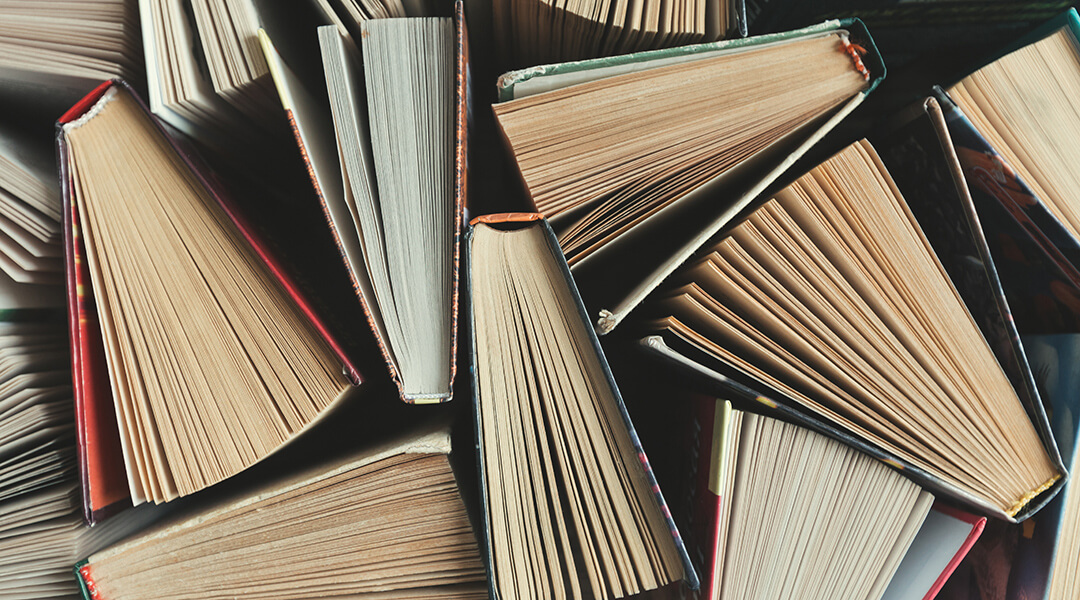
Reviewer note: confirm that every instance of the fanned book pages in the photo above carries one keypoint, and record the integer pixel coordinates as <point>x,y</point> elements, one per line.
<point>387,522</point>
<point>1027,106</point>
<point>829,296</point>
<point>799,516</point>
<point>213,358</point>
<point>347,15</point>
<point>30,242</point>
<point>57,51</point>
<point>205,72</point>
<point>534,32</point>
<point>41,525</point>
<point>571,508</point>
<point>648,155</point>
<point>387,158</point>
<point>972,204</point>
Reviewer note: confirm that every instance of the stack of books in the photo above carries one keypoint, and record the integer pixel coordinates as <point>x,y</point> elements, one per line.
<point>741,317</point>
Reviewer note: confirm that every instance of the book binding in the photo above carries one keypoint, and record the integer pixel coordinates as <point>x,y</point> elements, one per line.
<point>98,431</point>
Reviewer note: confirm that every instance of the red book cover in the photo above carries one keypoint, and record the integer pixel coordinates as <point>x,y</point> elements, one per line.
<point>100,450</point>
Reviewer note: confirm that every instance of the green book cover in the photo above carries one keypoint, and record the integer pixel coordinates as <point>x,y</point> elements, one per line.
<point>508,84</point>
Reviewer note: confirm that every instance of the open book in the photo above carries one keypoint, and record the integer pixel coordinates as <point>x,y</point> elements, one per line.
<point>835,303</point>
<point>386,522</point>
<point>781,510</point>
<point>570,506</point>
<point>639,159</point>
<point>389,169</point>
<point>212,359</point>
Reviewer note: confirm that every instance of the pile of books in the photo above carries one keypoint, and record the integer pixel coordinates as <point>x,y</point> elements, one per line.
<point>739,316</point>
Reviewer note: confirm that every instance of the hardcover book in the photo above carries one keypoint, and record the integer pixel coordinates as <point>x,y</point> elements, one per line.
<point>394,203</point>
<point>738,460</point>
<point>710,126</point>
<point>172,302</point>
<point>570,507</point>
<point>831,290</point>
<point>384,521</point>
<point>1010,259</point>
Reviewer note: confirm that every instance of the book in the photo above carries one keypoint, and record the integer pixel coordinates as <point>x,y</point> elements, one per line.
<point>206,75</point>
<point>834,303</point>
<point>187,304</point>
<point>642,178</point>
<point>781,511</point>
<point>385,521</point>
<point>51,54</point>
<point>30,241</point>
<point>536,32</point>
<point>1023,104</point>
<point>569,504</point>
<point>1009,257</point>
<point>41,524</point>
<point>698,468</point>
<point>386,187</point>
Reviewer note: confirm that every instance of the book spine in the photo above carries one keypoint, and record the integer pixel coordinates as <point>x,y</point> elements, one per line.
<point>485,519</point>
<point>354,377</point>
<point>104,488</point>
<point>462,91</point>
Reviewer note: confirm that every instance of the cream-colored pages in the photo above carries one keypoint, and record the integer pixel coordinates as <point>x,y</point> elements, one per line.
<point>212,364</point>
<point>393,110</point>
<point>571,511</point>
<point>388,522</point>
<point>830,294</point>
<point>618,150</point>
<point>1027,105</point>
<point>810,518</point>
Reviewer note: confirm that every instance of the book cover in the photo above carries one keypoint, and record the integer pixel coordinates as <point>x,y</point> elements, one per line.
<point>308,115</point>
<point>688,223</point>
<point>939,548</point>
<point>99,446</point>
<point>517,220</point>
